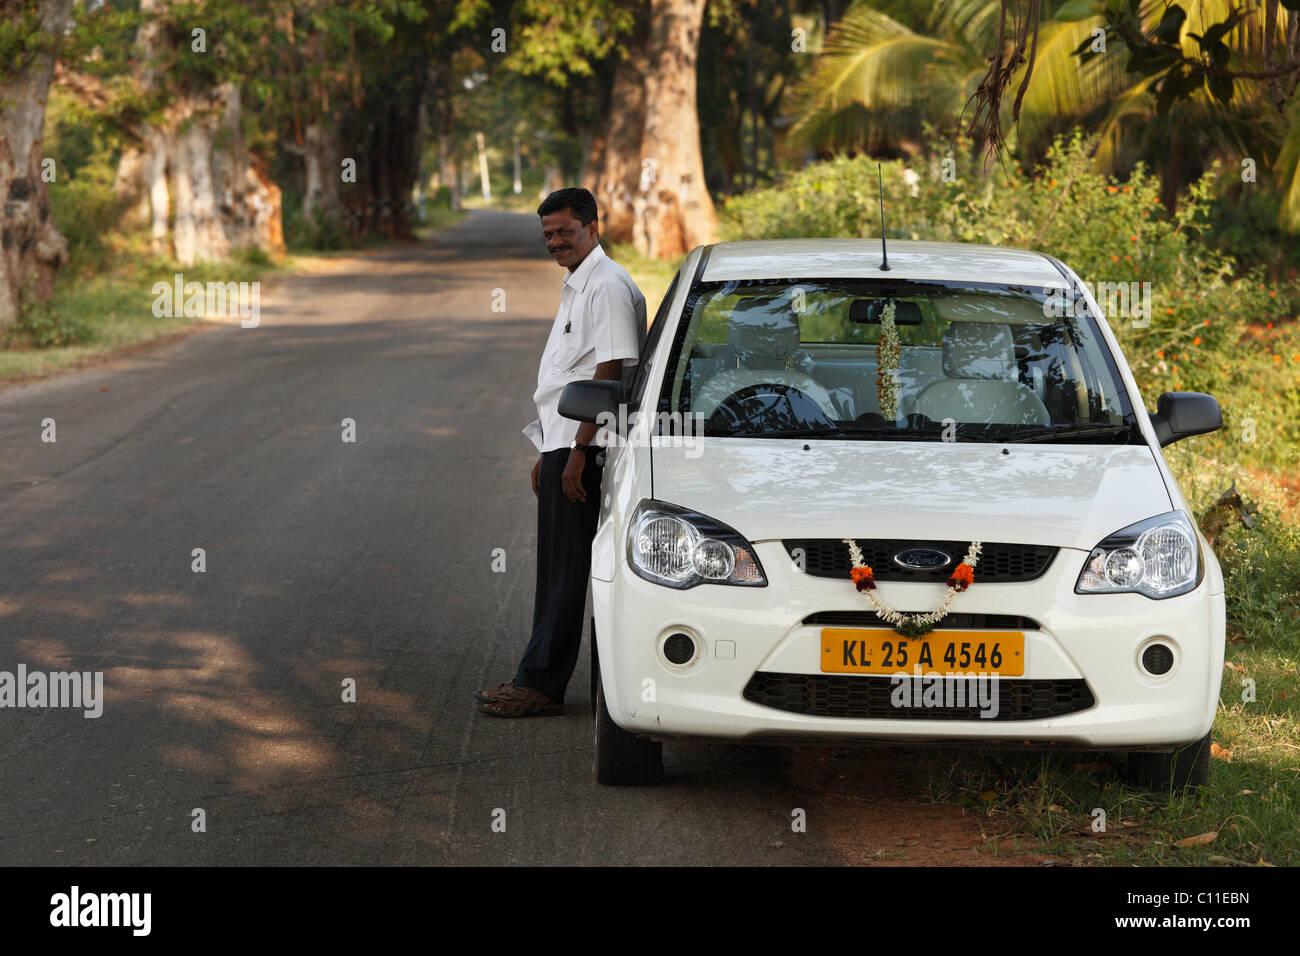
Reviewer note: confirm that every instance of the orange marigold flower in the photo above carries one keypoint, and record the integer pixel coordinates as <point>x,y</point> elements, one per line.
<point>962,577</point>
<point>1052,183</point>
<point>863,578</point>
<point>1196,341</point>
<point>1207,321</point>
<point>1115,257</point>
<point>1170,311</point>
<point>1134,238</point>
<point>1277,358</point>
<point>1160,355</point>
<point>1270,325</point>
<point>1112,189</point>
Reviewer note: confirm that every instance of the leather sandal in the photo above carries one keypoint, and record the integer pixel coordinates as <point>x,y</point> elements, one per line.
<point>493,692</point>
<point>521,702</point>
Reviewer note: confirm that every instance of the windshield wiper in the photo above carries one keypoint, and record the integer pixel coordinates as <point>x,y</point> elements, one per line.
<point>821,431</point>
<point>1065,433</point>
<point>833,431</point>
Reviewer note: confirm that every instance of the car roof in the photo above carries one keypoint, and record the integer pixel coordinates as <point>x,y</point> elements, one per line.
<point>860,258</point>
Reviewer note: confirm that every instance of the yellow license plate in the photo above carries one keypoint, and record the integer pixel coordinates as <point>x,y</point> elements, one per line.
<point>879,650</point>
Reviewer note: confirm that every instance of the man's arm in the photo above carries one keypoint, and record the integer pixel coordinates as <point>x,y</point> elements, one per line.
<point>572,477</point>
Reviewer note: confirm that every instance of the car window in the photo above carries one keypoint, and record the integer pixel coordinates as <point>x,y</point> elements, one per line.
<point>643,366</point>
<point>982,360</point>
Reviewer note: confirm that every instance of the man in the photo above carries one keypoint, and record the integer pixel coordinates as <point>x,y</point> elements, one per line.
<point>598,330</point>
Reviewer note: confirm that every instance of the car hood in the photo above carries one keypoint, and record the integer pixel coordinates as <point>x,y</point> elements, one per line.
<point>1068,496</point>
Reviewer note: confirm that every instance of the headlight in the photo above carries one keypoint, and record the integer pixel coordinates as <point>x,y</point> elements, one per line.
<point>1159,557</point>
<point>680,549</point>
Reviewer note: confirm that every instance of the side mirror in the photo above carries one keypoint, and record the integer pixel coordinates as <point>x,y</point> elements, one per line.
<point>587,401</point>
<point>1183,414</point>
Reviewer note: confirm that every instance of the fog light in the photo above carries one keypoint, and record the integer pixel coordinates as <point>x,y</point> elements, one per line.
<point>679,649</point>
<point>1158,659</point>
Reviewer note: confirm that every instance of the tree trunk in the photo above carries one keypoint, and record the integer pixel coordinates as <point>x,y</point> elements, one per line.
<point>31,247</point>
<point>385,130</point>
<point>620,177</point>
<point>321,157</point>
<point>447,163</point>
<point>204,193</point>
<point>674,213</point>
<point>484,181</point>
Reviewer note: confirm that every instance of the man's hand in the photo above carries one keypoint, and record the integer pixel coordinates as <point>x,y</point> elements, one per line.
<point>537,473</point>
<point>572,477</point>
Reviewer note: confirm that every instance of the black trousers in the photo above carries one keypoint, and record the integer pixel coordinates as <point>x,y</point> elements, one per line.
<point>564,532</point>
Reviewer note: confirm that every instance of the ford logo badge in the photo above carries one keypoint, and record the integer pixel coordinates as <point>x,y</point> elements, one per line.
<point>922,559</point>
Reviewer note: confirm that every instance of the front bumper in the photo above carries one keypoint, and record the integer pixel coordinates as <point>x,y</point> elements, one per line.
<point>1096,639</point>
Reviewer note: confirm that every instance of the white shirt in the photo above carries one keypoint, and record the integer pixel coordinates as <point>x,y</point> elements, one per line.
<point>604,314</point>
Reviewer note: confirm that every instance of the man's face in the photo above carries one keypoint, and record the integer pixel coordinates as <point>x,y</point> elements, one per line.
<point>567,239</point>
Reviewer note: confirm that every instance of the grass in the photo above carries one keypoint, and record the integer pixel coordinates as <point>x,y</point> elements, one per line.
<point>438,217</point>
<point>116,310</point>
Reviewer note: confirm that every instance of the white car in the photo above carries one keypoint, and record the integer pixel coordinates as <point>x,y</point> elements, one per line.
<point>965,426</point>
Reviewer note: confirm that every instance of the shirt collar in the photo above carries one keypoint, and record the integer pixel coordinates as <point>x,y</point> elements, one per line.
<point>579,276</point>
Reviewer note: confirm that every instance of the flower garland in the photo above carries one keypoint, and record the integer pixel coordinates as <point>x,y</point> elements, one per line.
<point>887,358</point>
<point>912,625</point>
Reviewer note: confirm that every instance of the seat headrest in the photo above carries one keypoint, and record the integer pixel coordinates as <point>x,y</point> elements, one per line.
<point>763,327</point>
<point>979,350</point>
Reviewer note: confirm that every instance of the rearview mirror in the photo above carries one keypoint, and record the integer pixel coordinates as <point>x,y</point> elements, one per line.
<point>586,401</point>
<point>1180,415</point>
<point>870,310</point>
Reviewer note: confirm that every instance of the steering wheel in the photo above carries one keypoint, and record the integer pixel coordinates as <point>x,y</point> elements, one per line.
<point>781,405</point>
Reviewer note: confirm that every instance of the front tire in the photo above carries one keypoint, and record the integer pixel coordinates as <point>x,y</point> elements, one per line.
<point>1188,766</point>
<point>622,759</point>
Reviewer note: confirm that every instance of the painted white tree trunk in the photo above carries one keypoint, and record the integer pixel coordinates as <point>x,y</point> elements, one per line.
<point>31,248</point>
<point>322,198</point>
<point>204,193</point>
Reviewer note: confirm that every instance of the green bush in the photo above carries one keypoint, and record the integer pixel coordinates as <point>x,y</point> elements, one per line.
<point>41,327</point>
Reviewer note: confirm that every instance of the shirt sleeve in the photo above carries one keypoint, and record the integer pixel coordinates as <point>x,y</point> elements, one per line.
<point>534,432</point>
<point>614,323</point>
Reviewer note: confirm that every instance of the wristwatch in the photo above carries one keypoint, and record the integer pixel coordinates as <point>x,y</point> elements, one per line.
<point>574,446</point>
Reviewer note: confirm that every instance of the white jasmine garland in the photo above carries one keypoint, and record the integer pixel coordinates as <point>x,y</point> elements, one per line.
<point>888,351</point>
<point>897,618</point>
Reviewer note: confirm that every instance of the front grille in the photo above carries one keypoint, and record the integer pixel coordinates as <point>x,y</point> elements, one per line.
<point>841,695</point>
<point>955,620</point>
<point>998,563</point>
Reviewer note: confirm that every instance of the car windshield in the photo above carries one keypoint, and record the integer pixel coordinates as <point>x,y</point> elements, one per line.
<point>811,358</point>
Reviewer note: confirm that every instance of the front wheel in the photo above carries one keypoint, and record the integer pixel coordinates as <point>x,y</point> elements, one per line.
<point>1189,766</point>
<point>622,759</point>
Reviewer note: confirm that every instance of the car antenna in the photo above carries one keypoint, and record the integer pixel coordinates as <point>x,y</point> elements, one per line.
<point>884,253</point>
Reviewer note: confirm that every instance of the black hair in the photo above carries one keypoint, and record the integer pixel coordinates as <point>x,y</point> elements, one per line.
<point>582,202</point>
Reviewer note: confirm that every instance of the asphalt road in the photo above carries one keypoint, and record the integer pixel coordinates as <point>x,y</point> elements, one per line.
<point>328,560</point>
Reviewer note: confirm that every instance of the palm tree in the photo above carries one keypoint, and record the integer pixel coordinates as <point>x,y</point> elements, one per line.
<point>889,66</point>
